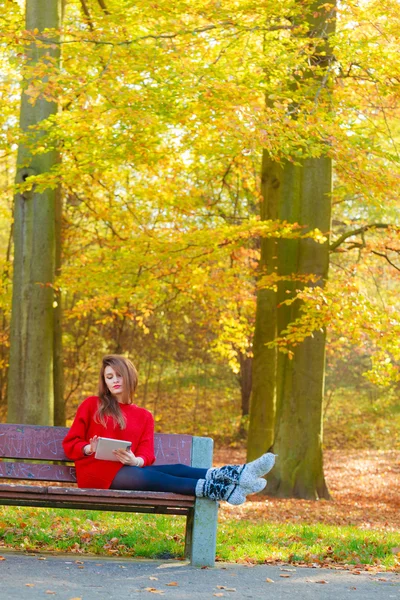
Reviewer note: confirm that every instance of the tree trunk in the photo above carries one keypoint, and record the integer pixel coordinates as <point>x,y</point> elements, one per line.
<point>297,194</point>
<point>298,439</point>
<point>30,389</point>
<point>58,367</point>
<point>245,381</point>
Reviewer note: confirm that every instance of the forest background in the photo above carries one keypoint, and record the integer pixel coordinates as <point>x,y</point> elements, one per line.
<point>163,119</point>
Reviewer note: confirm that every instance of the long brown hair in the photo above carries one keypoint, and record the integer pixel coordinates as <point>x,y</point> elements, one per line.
<point>109,405</point>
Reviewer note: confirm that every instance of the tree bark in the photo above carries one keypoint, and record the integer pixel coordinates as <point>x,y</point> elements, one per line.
<point>30,389</point>
<point>263,398</point>
<point>298,437</point>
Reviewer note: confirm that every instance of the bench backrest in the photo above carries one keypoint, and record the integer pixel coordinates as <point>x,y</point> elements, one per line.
<point>44,444</point>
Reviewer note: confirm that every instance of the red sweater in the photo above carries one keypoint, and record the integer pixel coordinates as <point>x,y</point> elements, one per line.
<point>94,473</point>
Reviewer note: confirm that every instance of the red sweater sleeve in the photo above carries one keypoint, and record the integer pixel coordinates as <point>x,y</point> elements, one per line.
<point>76,438</point>
<point>145,447</point>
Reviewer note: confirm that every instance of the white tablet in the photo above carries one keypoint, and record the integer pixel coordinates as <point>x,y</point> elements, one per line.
<point>105,447</point>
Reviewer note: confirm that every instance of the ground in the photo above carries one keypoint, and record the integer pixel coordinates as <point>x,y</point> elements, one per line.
<point>365,486</point>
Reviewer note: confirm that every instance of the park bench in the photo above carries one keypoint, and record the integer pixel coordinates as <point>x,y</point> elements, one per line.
<point>31,453</point>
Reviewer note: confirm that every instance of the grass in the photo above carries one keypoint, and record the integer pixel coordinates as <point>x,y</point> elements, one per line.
<point>155,536</point>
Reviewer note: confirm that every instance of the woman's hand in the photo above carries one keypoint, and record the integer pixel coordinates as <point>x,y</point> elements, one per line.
<point>91,448</point>
<point>93,443</point>
<point>127,457</point>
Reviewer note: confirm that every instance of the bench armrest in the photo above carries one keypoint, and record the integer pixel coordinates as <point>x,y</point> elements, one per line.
<point>202,452</point>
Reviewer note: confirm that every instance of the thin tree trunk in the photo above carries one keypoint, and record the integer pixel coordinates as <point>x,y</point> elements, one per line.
<point>146,383</point>
<point>30,389</point>
<point>158,392</point>
<point>58,367</point>
<point>4,351</point>
<point>245,382</point>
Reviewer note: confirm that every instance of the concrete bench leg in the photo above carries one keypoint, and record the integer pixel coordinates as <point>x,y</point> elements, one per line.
<point>201,528</point>
<point>201,533</point>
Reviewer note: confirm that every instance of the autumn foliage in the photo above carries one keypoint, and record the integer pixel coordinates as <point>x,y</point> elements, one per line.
<point>164,110</point>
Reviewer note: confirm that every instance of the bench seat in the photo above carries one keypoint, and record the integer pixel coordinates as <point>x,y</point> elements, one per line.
<point>57,497</point>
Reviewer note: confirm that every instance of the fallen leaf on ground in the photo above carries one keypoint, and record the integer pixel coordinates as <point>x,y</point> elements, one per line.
<point>153,578</point>
<point>172,583</point>
<point>382,579</point>
<point>30,585</point>
<point>268,580</point>
<point>2,558</point>
<point>227,589</point>
<point>218,594</point>
<point>50,592</point>
<point>286,576</point>
<point>321,581</point>
<point>153,590</point>
<point>367,500</point>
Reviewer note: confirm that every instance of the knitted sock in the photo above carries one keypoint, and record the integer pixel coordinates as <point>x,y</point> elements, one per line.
<point>220,490</point>
<point>243,474</point>
<point>256,468</point>
<point>257,485</point>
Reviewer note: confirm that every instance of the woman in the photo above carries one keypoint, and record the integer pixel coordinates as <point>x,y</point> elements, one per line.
<point>112,414</point>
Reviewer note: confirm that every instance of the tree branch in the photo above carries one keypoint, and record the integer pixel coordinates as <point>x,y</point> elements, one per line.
<point>385,256</point>
<point>103,7</point>
<point>358,231</point>
<point>86,12</point>
<point>168,36</point>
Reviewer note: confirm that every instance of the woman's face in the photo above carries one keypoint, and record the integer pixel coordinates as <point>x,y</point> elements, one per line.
<point>114,382</point>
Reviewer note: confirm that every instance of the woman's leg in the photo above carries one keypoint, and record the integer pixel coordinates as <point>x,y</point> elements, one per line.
<point>179,470</point>
<point>181,479</point>
<point>153,480</point>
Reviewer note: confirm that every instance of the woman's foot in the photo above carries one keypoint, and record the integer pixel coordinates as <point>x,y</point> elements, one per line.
<point>256,468</point>
<point>246,474</point>
<point>255,487</point>
<point>220,490</point>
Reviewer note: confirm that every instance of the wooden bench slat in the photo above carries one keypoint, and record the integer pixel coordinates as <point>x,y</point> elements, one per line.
<point>172,448</point>
<point>92,503</point>
<point>34,442</point>
<point>130,503</point>
<point>129,494</point>
<point>37,472</point>
<point>51,496</point>
<point>16,488</point>
<point>38,442</point>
